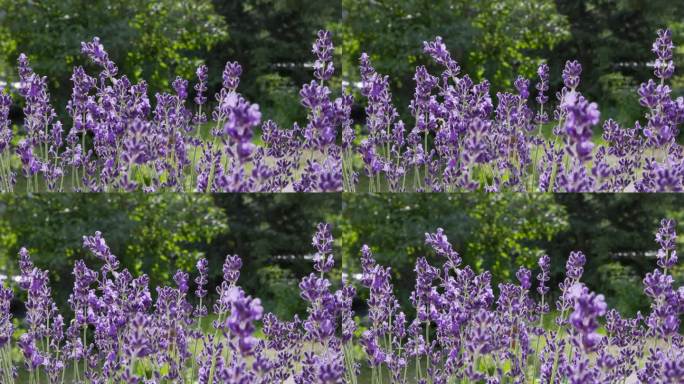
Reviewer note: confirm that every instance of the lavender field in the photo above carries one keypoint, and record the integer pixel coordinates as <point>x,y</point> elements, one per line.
<point>117,324</point>
<point>460,140</point>
<point>139,145</point>
<point>341,192</point>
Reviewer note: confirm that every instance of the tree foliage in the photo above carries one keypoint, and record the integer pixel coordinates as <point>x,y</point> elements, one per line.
<point>490,39</point>
<point>151,40</point>
<point>159,40</point>
<point>497,232</point>
<point>617,233</point>
<point>272,40</point>
<point>614,37</point>
<point>154,234</point>
<point>157,234</point>
<point>272,233</point>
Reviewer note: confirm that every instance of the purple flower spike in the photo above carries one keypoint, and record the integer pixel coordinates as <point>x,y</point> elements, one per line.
<point>231,269</point>
<point>524,276</point>
<point>323,242</point>
<point>440,244</point>
<point>588,308</point>
<point>231,76</point>
<point>6,326</point>
<point>522,85</point>
<point>666,237</point>
<point>323,50</point>
<point>116,325</point>
<point>543,276</point>
<point>438,51</point>
<point>571,74</point>
<point>663,48</point>
<point>98,247</point>
<point>543,84</point>
<point>96,52</point>
<point>581,117</point>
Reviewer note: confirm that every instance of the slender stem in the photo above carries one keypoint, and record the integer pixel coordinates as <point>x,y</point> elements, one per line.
<point>541,324</point>
<point>427,348</point>
<point>557,353</point>
<point>425,154</point>
<point>199,329</point>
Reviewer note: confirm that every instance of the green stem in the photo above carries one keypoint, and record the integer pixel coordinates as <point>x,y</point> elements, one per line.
<point>427,348</point>
<point>541,324</point>
<point>199,329</point>
<point>425,154</point>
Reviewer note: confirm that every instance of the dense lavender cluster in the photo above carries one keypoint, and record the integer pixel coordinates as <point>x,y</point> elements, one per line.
<point>460,140</point>
<point>119,333</point>
<point>119,141</point>
<point>462,332</point>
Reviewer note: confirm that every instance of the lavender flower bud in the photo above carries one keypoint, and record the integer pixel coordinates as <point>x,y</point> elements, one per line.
<point>231,76</point>
<point>522,85</point>
<point>666,237</point>
<point>663,48</point>
<point>575,265</point>
<point>524,276</point>
<point>588,308</point>
<point>323,242</point>
<point>323,49</point>
<point>571,74</point>
<point>231,269</point>
<point>543,84</point>
<point>96,52</point>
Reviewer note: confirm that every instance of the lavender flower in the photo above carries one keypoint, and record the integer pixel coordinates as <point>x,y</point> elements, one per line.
<point>483,338</point>
<point>323,242</point>
<point>662,48</point>
<point>543,276</point>
<point>575,265</point>
<point>666,237</point>
<point>120,141</point>
<point>323,50</point>
<point>524,276</point>
<point>581,116</point>
<point>543,84</point>
<point>118,333</point>
<point>96,52</point>
<point>440,244</point>
<point>231,269</point>
<point>588,308</point>
<point>460,141</point>
<point>571,74</point>
<point>231,76</point>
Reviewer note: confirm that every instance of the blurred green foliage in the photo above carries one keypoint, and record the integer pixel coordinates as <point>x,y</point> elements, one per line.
<point>615,36</point>
<point>157,40</point>
<point>493,39</point>
<point>272,233</point>
<point>500,39</point>
<point>495,232</point>
<point>157,234</point>
<point>617,233</point>
<point>151,40</point>
<point>272,40</point>
<point>154,234</point>
<point>502,232</point>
